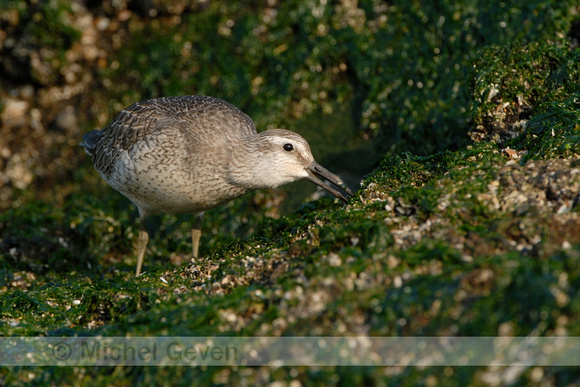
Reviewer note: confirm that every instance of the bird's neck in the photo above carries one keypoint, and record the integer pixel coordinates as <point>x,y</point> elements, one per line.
<point>250,165</point>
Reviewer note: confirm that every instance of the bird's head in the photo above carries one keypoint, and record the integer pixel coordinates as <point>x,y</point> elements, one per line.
<point>281,156</point>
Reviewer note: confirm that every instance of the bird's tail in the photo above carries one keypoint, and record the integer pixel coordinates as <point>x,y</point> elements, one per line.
<point>90,140</point>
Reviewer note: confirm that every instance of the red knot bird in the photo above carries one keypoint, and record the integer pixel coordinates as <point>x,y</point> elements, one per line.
<point>192,153</point>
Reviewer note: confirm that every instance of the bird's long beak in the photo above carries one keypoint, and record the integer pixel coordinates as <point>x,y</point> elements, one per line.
<point>316,170</point>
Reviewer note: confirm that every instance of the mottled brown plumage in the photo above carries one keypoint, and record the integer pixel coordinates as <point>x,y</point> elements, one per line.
<point>193,153</point>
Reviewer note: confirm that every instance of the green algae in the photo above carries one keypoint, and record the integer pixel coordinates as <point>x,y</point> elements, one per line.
<point>555,131</point>
<point>429,245</point>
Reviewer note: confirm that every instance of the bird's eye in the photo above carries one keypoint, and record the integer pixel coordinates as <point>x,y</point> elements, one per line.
<point>288,147</point>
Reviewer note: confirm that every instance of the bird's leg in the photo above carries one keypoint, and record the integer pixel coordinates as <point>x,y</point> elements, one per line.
<point>196,234</point>
<point>142,246</point>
